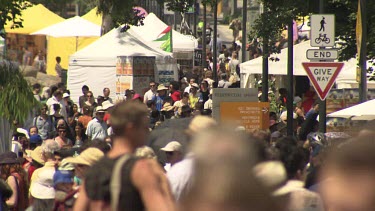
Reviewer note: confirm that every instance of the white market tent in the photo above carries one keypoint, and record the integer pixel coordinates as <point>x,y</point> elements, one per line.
<point>95,65</point>
<point>152,28</point>
<point>363,111</point>
<point>347,74</point>
<point>72,27</point>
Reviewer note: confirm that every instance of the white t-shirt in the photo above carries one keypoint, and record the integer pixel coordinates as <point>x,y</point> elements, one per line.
<point>148,96</point>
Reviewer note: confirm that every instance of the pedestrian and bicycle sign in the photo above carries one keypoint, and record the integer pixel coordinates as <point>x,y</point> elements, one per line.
<point>322,75</point>
<point>322,30</point>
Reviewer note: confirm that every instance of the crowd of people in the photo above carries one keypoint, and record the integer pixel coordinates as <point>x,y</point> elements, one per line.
<point>223,167</point>
<point>97,155</point>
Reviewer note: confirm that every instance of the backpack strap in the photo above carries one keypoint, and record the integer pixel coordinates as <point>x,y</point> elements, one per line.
<point>115,184</point>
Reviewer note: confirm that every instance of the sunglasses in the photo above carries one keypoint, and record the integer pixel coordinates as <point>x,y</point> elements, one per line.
<point>62,131</point>
<point>89,95</point>
<point>152,85</point>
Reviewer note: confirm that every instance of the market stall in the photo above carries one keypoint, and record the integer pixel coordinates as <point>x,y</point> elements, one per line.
<point>34,18</point>
<point>119,61</point>
<point>67,37</point>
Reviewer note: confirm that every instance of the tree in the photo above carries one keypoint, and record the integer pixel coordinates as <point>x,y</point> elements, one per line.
<point>11,11</point>
<point>275,18</point>
<point>119,12</point>
<point>346,17</point>
<point>16,98</point>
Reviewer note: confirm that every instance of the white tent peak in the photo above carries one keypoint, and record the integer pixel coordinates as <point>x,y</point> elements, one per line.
<point>72,27</point>
<point>116,43</point>
<point>153,26</point>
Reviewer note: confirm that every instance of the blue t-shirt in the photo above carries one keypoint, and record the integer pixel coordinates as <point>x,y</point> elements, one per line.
<point>158,102</point>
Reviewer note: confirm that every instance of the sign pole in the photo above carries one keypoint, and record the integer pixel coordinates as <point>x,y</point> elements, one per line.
<point>322,103</point>
<point>244,38</point>
<point>289,101</point>
<point>214,47</point>
<point>204,45</point>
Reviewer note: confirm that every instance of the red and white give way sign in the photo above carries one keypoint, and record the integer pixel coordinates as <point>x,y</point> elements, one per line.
<point>322,75</point>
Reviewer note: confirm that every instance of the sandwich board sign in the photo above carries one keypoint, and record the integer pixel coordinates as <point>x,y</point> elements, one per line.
<point>322,75</point>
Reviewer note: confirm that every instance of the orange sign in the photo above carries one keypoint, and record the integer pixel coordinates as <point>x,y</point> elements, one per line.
<point>251,115</point>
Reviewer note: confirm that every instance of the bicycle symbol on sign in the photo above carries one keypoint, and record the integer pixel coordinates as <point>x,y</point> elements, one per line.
<point>322,38</point>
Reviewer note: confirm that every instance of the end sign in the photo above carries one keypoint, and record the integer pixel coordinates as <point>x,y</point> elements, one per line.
<point>322,75</point>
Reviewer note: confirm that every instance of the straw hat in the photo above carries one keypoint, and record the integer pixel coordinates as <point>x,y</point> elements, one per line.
<point>87,157</point>
<point>36,155</point>
<point>167,107</point>
<point>161,87</point>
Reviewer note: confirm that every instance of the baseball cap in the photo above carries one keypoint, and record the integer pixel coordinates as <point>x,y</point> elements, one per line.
<point>66,95</point>
<point>62,176</point>
<point>172,146</point>
<point>36,139</point>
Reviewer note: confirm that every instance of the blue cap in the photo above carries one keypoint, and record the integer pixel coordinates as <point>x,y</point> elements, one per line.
<point>62,176</point>
<point>36,139</point>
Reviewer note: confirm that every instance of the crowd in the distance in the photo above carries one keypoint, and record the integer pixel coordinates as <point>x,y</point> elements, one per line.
<point>92,156</point>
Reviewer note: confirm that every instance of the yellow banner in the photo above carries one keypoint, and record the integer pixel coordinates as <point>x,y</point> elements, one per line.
<point>359,38</point>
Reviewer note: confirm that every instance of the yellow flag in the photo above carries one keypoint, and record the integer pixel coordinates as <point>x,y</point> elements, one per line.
<point>359,38</point>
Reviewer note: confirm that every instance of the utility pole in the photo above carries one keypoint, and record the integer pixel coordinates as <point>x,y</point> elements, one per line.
<point>214,47</point>
<point>204,45</point>
<point>265,70</point>
<point>289,101</point>
<point>322,103</point>
<point>244,21</point>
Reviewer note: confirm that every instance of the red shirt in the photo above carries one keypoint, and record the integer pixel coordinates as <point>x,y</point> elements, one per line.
<point>176,96</point>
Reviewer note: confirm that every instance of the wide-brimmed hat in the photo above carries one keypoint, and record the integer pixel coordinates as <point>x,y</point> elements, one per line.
<point>42,186</point>
<point>161,87</point>
<point>87,157</point>
<point>167,107</point>
<point>9,158</point>
<point>36,154</point>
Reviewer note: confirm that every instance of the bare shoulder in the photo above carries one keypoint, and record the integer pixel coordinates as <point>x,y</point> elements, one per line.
<point>146,169</point>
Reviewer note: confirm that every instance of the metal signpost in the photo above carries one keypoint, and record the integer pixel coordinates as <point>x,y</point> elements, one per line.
<point>322,71</point>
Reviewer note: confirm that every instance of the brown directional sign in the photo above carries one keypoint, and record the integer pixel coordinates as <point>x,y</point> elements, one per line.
<point>251,115</point>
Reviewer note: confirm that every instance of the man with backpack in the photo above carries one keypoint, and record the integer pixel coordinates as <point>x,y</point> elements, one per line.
<point>121,181</point>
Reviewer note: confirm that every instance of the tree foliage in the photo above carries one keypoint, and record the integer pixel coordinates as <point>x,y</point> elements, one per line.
<point>120,12</point>
<point>275,18</point>
<point>16,98</point>
<point>346,17</point>
<point>181,6</point>
<point>11,11</point>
